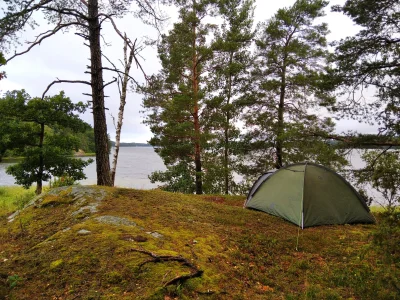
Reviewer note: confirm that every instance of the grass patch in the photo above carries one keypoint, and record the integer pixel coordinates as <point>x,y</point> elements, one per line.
<point>12,159</point>
<point>381,209</point>
<point>377,209</point>
<point>13,198</point>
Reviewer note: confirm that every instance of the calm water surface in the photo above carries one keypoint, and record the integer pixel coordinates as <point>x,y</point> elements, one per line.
<point>135,164</point>
<point>133,167</point>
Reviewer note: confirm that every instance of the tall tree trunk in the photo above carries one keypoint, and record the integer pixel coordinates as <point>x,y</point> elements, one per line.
<point>124,86</point>
<point>99,116</point>
<point>279,140</point>
<point>39,183</point>
<point>226,156</point>
<point>197,155</point>
<point>195,87</point>
<point>228,118</point>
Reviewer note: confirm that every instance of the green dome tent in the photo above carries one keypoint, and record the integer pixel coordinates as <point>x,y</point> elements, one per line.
<point>308,194</point>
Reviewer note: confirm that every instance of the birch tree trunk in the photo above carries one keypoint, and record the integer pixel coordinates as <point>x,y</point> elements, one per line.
<point>124,86</point>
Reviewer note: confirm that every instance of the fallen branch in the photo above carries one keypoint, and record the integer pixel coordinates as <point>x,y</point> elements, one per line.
<point>195,272</point>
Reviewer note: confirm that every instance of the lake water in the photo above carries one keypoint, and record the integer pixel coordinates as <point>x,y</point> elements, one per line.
<point>135,164</point>
<point>133,167</point>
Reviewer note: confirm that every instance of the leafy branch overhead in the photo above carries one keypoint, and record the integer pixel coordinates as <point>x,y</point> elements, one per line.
<point>370,59</point>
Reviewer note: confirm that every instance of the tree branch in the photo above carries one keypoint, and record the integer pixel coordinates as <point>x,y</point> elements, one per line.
<point>120,72</point>
<point>357,140</point>
<point>128,42</point>
<point>379,155</point>
<point>64,81</point>
<point>44,36</point>
<point>67,11</point>
<point>108,83</point>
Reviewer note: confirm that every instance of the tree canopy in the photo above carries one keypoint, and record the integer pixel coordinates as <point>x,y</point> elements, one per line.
<point>282,126</point>
<point>44,129</point>
<point>371,59</point>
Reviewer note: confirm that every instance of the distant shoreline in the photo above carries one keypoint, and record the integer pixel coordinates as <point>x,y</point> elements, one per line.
<point>131,144</point>
<point>11,159</point>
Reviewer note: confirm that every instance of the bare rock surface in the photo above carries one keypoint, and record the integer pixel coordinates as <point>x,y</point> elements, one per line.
<point>84,232</point>
<point>113,220</point>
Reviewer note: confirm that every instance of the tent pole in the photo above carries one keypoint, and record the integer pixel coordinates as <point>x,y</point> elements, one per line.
<point>301,223</point>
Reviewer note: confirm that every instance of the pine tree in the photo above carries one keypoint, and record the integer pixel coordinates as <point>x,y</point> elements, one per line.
<point>371,59</point>
<point>175,99</point>
<point>229,78</point>
<point>291,50</point>
<point>45,129</point>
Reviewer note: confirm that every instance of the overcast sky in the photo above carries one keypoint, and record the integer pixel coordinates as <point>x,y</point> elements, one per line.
<point>65,57</point>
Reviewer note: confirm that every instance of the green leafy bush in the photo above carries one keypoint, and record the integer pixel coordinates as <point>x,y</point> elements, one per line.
<point>386,238</point>
<point>62,181</point>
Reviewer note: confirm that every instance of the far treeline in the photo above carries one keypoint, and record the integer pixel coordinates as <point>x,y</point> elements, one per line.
<point>131,144</point>
<point>237,98</point>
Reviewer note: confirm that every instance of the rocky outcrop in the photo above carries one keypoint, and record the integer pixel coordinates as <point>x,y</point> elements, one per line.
<point>86,201</point>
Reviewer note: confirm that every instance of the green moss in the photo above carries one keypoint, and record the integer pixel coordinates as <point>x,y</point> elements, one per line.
<point>57,264</point>
<point>113,277</point>
<point>63,197</point>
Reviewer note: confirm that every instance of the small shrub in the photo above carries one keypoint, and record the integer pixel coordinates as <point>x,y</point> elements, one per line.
<point>62,181</point>
<point>386,238</point>
<point>13,198</point>
<point>13,280</point>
